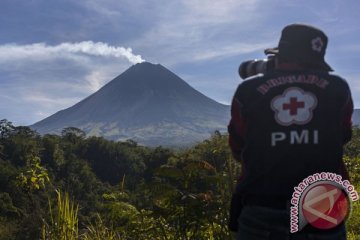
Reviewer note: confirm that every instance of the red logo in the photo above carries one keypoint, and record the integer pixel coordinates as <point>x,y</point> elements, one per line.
<point>294,106</point>
<point>325,206</point>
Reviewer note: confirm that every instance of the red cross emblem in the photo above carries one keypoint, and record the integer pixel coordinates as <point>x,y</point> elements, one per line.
<point>293,106</point>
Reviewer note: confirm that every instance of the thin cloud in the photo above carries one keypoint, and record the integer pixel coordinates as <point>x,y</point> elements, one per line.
<point>99,77</point>
<point>218,12</point>
<point>228,51</point>
<point>177,34</point>
<point>195,32</point>
<point>351,48</point>
<point>42,50</point>
<point>187,29</point>
<point>50,101</point>
<point>53,77</point>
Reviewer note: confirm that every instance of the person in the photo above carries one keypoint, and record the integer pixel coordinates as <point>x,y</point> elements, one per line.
<point>287,124</point>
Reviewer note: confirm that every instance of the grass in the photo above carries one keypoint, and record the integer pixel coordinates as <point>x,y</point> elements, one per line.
<point>64,221</point>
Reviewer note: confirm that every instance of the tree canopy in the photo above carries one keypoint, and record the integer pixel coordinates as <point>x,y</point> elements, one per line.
<point>121,190</point>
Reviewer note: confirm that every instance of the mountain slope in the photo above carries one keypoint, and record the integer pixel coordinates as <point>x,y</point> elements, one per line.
<point>356,117</point>
<point>147,103</point>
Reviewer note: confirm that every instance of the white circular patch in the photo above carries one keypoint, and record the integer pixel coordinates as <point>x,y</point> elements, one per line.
<point>317,44</point>
<point>294,106</point>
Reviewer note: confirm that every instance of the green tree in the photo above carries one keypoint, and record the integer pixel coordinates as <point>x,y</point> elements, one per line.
<point>52,152</point>
<point>21,145</point>
<point>6,128</point>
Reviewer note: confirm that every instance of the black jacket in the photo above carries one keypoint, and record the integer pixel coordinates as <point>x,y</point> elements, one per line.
<point>287,125</point>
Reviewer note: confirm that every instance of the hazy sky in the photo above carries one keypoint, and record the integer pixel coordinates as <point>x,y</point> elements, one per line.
<point>53,53</point>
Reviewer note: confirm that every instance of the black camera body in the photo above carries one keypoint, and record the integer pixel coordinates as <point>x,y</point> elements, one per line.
<point>256,66</point>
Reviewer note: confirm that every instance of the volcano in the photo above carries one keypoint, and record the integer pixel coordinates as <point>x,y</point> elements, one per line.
<point>148,104</point>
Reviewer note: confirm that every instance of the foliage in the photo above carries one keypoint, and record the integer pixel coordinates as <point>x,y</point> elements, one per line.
<point>34,176</point>
<point>352,161</point>
<point>99,230</point>
<point>8,229</point>
<point>64,222</point>
<point>73,187</point>
<point>353,223</point>
<point>352,148</point>
<point>6,127</point>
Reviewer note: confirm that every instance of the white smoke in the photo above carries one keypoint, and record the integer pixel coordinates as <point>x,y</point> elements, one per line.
<point>42,50</point>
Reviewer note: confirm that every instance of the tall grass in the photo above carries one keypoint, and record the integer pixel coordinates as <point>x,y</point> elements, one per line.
<point>63,220</point>
<point>99,231</point>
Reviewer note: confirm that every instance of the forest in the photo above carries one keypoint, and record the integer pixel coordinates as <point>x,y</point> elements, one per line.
<point>70,186</point>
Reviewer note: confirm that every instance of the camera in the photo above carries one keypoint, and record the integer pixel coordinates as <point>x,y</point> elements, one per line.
<point>256,66</point>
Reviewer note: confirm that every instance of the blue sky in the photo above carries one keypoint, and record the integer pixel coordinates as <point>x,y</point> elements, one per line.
<point>53,53</point>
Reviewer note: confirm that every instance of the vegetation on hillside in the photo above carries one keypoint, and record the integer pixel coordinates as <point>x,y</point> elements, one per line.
<point>73,187</point>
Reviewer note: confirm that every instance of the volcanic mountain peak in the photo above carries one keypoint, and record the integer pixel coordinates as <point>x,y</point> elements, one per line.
<point>146,77</point>
<point>147,103</point>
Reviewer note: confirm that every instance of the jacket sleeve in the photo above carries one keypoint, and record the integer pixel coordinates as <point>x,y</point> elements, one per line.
<point>237,128</point>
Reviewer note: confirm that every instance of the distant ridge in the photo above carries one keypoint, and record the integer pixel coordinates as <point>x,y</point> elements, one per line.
<point>356,117</point>
<point>148,104</point>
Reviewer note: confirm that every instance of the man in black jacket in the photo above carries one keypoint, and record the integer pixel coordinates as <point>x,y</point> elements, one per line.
<point>286,125</point>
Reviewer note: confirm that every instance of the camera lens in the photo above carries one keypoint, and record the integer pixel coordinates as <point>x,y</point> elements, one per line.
<point>252,67</point>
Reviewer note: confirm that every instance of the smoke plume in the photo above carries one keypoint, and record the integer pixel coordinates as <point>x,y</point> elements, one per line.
<point>42,50</point>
